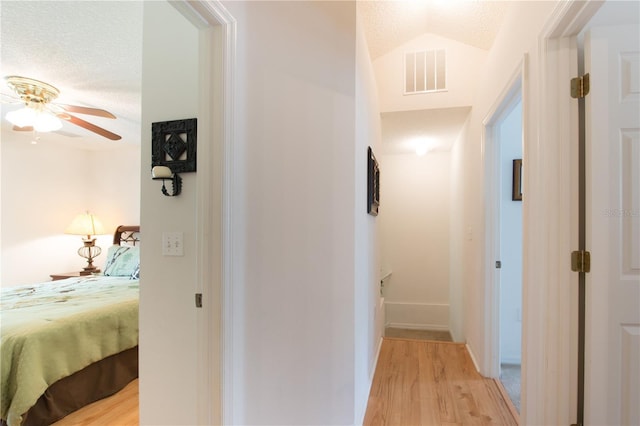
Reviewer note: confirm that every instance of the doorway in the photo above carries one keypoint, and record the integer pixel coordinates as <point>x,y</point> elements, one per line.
<point>509,143</point>
<point>503,161</point>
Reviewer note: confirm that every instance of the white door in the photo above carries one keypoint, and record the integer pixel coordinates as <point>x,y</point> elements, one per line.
<point>612,358</point>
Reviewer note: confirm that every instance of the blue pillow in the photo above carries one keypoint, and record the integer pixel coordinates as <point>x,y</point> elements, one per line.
<point>122,261</point>
<point>136,273</point>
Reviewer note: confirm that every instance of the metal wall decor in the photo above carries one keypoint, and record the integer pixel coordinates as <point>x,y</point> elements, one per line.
<point>173,144</point>
<point>173,151</point>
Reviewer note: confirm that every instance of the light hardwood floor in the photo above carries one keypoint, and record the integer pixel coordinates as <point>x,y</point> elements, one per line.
<point>120,409</point>
<point>432,383</point>
<point>415,383</point>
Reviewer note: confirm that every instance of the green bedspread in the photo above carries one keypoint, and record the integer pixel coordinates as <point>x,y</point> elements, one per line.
<point>51,330</point>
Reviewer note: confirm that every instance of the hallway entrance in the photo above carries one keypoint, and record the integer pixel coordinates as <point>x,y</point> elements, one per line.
<point>504,243</point>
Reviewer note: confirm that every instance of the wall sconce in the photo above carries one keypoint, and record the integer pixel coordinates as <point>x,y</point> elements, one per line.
<point>164,173</point>
<point>173,151</point>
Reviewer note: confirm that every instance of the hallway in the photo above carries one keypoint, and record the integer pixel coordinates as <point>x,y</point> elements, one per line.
<point>432,383</point>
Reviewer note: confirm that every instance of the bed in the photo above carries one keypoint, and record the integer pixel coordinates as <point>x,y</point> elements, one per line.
<point>67,343</point>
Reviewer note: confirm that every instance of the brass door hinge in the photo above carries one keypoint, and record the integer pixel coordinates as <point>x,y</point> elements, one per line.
<point>581,261</point>
<point>580,87</point>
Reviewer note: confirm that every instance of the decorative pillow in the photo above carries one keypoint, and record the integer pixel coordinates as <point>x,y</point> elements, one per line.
<point>122,261</point>
<point>136,273</point>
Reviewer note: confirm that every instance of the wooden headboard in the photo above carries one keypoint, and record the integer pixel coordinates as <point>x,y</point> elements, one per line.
<point>127,235</point>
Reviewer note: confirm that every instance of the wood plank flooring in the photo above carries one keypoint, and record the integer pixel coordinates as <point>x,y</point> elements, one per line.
<point>432,383</point>
<point>120,409</point>
<point>415,383</point>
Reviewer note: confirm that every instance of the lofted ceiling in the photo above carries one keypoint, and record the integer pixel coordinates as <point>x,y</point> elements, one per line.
<point>92,51</point>
<point>389,24</point>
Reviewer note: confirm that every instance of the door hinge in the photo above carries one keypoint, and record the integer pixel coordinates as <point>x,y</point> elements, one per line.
<point>198,300</point>
<point>581,261</point>
<point>498,264</point>
<point>580,87</point>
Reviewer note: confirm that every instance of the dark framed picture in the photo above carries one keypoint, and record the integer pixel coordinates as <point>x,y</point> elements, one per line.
<point>516,192</point>
<point>373,184</point>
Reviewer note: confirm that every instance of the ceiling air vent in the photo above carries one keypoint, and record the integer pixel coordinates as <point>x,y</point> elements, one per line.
<point>425,72</point>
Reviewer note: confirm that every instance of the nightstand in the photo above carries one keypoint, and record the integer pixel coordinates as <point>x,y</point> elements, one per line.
<point>63,275</point>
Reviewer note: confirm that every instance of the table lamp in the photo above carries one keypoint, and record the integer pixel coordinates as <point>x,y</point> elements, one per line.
<point>87,225</point>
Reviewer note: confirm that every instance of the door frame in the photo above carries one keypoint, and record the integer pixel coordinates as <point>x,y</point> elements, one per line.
<point>514,90</point>
<point>214,203</point>
<point>550,287</point>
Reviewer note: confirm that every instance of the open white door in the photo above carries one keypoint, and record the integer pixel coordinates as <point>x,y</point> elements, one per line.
<point>612,357</point>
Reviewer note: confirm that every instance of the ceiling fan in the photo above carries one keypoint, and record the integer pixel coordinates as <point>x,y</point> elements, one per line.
<point>43,115</point>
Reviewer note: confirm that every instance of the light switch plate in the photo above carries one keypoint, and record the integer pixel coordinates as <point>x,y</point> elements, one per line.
<point>172,244</point>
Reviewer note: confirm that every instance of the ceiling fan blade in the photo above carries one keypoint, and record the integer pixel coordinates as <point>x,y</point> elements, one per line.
<point>23,129</point>
<point>86,110</point>
<point>8,99</point>
<point>92,127</point>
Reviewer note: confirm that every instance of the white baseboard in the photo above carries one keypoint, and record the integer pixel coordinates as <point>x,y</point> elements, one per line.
<point>510,360</point>
<point>435,327</point>
<point>418,316</point>
<point>473,358</point>
<point>363,410</point>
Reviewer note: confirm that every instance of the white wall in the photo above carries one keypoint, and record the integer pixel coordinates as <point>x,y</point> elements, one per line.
<point>44,186</point>
<point>168,343</point>
<point>369,313</point>
<point>456,238</point>
<point>414,223</point>
<point>420,295</point>
<point>296,151</point>
<point>510,142</point>
<point>463,61</point>
<point>518,36</point>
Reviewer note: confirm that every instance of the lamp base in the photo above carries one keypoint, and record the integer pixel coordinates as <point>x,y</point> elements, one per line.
<point>89,251</point>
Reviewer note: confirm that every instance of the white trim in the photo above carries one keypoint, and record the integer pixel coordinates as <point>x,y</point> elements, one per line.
<point>420,316</point>
<point>214,213</point>
<point>473,358</point>
<point>440,305</point>
<point>549,377</point>
<point>413,326</point>
<point>512,361</point>
<point>512,92</point>
<point>359,417</point>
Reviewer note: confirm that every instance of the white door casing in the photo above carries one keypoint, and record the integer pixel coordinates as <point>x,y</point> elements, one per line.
<point>612,357</point>
<point>513,91</point>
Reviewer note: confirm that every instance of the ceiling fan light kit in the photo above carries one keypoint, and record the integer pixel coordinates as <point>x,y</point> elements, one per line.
<point>40,121</point>
<point>42,115</point>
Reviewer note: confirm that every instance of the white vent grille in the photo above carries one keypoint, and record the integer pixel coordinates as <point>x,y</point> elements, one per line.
<point>425,72</point>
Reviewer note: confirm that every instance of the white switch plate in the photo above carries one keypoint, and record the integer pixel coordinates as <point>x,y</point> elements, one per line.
<point>172,244</point>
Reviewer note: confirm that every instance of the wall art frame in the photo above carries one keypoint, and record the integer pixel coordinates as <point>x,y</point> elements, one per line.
<point>516,191</point>
<point>373,183</point>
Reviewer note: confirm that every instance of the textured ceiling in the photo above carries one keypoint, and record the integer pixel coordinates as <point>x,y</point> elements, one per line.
<point>389,24</point>
<point>92,50</point>
<point>89,50</point>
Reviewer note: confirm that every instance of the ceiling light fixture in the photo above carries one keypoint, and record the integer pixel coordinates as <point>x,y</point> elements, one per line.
<point>35,95</point>
<point>423,145</point>
<point>41,121</point>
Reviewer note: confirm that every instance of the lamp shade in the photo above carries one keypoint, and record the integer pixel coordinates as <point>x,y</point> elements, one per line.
<point>85,224</point>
